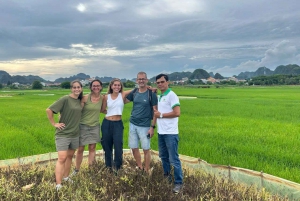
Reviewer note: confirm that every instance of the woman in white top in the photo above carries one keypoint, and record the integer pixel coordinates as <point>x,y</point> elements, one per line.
<point>112,125</point>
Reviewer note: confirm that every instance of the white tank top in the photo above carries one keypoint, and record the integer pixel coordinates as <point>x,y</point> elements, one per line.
<point>114,107</point>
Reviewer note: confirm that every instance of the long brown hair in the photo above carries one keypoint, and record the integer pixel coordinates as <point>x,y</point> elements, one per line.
<point>77,81</point>
<point>109,90</point>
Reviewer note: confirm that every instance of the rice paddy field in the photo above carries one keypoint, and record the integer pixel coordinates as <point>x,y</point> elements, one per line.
<point>250,127</point>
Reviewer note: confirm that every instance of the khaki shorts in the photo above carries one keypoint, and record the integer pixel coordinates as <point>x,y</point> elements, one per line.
<point>89,135</point>
<point>64,143</point>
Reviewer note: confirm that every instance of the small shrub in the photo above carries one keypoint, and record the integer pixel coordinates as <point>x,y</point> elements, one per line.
<point>99,183</point>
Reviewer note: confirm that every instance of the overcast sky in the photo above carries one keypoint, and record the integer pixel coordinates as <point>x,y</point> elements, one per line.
<point>119,38</point>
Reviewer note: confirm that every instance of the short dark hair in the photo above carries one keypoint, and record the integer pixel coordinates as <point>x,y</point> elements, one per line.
<point>95,80</point>
<point>162,75</point>
<point>142,73</point>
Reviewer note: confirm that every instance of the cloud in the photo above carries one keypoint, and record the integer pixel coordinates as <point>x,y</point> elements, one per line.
<point>49,68</point>
<point>155,36</point>
<point>177,57</point>
<point>282,53</point>
<point>165,8</point>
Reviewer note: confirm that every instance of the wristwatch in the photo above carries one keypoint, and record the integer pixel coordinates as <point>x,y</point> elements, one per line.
<point>153,126</point>
<point>161,115</point>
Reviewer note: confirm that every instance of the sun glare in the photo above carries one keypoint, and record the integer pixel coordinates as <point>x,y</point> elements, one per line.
<point>81,8</point>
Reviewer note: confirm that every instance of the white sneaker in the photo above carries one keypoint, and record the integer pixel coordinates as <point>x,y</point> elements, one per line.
<point>68,180</point>
<point>75,172</point>
<point>58,187</point>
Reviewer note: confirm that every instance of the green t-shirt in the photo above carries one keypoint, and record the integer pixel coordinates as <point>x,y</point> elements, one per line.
<point>70,114</point>
<point>91,112</point>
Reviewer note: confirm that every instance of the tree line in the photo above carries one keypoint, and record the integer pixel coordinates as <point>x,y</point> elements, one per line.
<point>260,80</point>
<point>275,80</point>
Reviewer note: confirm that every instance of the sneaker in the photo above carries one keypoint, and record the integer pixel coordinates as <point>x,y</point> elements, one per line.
<point>168,178</point>
<point>138,168</point>
<point>74,173</point>
<point>177,188</point>
<point>150,171</point>
<point>58,187</point>
<point>68,180</point>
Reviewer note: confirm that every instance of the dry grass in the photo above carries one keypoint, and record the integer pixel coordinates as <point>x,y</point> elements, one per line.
<point>98,183</point>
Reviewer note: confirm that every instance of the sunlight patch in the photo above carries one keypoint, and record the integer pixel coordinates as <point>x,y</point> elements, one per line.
<point>187,97</point>
<point>44,94</point>
<point>5,96</point>
<point>81,8</point>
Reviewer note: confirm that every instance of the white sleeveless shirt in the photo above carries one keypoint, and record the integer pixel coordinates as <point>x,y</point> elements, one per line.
<point>114,107</point>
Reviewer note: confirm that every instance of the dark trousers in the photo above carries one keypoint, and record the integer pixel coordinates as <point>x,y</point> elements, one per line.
<point>112,137</point>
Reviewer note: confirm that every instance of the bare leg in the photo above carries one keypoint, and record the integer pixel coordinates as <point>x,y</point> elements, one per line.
<point>79,157</point>
<point>68,163</point>
<point>147,159</point>
<point>137,157</point>
<point>92,153</point>
<point>60,165</point>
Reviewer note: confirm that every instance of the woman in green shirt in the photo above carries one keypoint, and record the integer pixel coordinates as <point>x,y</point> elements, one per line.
<point>67,130</point>
<point>89,123</point>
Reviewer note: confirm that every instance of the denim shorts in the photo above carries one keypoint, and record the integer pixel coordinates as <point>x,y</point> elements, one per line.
<point>64,143</point>
<point>136,134</point>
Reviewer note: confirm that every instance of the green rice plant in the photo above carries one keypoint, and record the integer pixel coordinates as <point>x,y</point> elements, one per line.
<point>250,127</point>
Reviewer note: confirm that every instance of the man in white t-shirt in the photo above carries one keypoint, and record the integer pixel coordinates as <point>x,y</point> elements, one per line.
<point>167,128</point>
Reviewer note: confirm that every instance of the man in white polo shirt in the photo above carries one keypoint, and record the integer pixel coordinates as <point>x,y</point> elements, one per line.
<point>167,128</point>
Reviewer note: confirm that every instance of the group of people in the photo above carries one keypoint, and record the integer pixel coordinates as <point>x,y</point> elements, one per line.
<point>78,125</point>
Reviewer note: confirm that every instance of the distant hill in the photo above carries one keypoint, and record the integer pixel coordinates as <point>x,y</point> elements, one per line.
<point>79,76</point>
<point>175,76</point>
<point>218,76</point>
<point>82,76</point>
<point>199,74</point>
<point>22,79</point>
<point>108,79</point>
<point>290,69</point>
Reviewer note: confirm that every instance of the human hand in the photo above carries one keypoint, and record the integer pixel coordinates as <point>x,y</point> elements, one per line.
<point>156,113</point>
<point>60,126</point>
<point>150,133</point>
<point>154,90</point>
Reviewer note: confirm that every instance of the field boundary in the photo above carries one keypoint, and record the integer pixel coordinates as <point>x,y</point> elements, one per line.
<point>270,183</point>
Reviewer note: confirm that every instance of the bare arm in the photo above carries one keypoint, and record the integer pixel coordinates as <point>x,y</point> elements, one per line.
<point>151,130</point>
<point>154,117</point>
<point>50,116</point>
<point>175,113</point>
<point>104,105</point>
<point>125,94</point>
<point>154,90</point>
<point>83,100</point>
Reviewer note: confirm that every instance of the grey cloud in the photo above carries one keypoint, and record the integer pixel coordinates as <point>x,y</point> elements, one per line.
<point>157,35</point>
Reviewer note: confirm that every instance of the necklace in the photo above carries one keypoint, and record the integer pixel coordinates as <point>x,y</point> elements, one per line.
<point>95,99</point>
